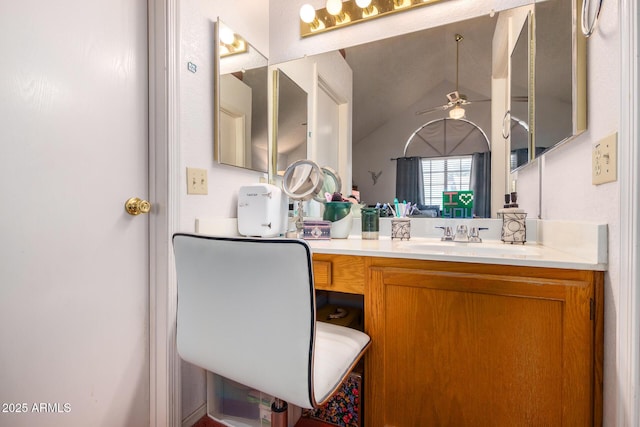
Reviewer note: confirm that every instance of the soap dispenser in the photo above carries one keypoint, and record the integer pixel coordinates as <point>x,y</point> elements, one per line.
<point>514,226</point>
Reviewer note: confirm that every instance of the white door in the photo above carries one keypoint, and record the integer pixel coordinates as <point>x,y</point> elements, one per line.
<point>74,281</point>
<point>333,123</point>
<point>328,130</point>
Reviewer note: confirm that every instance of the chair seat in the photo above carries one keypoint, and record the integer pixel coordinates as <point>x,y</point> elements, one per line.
<point>337,350</point>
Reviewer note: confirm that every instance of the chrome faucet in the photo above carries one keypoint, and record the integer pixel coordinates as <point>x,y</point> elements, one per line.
<point>463,234</point>
<point>448,234</point>
<point>474,234</point>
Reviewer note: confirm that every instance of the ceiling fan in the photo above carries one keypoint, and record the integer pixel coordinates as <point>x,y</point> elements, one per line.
<point>456,99</point>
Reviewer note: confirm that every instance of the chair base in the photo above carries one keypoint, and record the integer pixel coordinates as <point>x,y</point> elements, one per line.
<point>279,414</point>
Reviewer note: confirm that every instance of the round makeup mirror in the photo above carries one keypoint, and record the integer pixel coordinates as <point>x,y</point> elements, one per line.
<point>303,180</point>
<point>332,184</point>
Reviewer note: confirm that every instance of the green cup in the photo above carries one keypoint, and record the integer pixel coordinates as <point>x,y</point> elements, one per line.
<point>370,223</point>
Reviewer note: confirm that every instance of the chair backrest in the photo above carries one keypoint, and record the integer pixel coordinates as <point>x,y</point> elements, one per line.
<point>246,311</point>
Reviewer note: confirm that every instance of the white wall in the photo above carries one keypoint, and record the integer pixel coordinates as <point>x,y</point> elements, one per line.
<point>567,192</point>
<point>250,19</point>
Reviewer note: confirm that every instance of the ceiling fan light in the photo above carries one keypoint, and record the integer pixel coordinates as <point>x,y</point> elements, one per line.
<point>456,113</point>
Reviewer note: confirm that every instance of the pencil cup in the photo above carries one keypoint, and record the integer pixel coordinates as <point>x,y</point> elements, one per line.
<point>401,228</point>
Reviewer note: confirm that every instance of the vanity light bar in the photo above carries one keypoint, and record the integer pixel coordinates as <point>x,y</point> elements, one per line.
<point>351,13</point>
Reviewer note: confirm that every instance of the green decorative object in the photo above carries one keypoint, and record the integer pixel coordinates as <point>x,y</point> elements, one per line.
<point>457,204</point>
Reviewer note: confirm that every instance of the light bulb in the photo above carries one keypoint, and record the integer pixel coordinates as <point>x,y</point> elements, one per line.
<point>226,35</point>
<point>456,112</point>
<point>334,7</point>
<point>307,13</point>
<point>363,4</point>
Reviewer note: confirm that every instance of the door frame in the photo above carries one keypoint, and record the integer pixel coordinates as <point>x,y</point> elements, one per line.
<point>164,160</point>
<point>628,315</point>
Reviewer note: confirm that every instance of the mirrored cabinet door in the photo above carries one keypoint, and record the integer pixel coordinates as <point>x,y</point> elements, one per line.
<point>241,100</point>
<point>291,121</point>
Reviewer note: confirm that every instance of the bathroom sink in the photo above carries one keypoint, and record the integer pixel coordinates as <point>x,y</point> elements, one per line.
<point>490,249</point>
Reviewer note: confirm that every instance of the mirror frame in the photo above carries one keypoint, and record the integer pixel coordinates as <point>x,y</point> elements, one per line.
<point>525,38</point>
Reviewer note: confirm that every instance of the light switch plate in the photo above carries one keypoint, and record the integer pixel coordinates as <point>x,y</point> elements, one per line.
<point>197,181</point>
<point>604,160</point>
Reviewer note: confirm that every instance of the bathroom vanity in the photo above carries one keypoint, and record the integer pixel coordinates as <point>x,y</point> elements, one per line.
<point>473,335</point>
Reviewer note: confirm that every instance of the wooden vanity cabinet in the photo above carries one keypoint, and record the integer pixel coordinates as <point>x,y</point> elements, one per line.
<point>462,344</point>
<point>457,344</point>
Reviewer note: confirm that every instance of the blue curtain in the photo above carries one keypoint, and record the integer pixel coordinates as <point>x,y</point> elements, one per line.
<point>409,181</point>
<point>481,184</point>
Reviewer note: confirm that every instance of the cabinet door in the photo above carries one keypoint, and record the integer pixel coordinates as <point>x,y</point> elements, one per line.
<point>465,349</point>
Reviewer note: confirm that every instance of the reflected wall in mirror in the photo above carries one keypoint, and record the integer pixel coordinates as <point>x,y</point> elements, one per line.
<point>291,122</point>
<point>241,99</point>
<point>560,97</point>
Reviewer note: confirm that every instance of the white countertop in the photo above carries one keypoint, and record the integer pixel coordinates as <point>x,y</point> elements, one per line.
<point>552,244</point>
<point>487,252</point>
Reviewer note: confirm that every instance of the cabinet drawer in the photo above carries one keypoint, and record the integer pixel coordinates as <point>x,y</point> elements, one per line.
<point>341,273</point>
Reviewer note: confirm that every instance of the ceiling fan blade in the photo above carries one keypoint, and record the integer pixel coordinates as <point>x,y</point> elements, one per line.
<point>473,101</point>
<point>431,110</point>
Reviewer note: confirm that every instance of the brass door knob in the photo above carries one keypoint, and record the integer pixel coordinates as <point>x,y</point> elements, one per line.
<point>136,206</point>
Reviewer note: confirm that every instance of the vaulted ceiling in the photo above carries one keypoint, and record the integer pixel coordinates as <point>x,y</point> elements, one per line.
<point>392,74</point>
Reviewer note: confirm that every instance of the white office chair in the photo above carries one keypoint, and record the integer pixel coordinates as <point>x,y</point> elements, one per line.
<point>246,311</point>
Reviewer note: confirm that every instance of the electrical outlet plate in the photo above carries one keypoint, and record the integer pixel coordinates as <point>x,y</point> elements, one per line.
<point>604,160</point>
<point>197,181</point>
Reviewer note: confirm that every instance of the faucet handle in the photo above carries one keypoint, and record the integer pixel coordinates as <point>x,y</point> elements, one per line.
<point>474,234</point>
<point>461,233</point>
<point>448,234</point>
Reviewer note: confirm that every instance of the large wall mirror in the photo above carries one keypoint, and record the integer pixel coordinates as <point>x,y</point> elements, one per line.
<point>398,77</point>
<point>291,121</point>
<point>241,98</point>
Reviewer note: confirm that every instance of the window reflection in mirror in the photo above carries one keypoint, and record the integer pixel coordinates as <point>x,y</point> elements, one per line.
<point>241,102</point>
<point>455,156</point>
<point>291,130</point>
